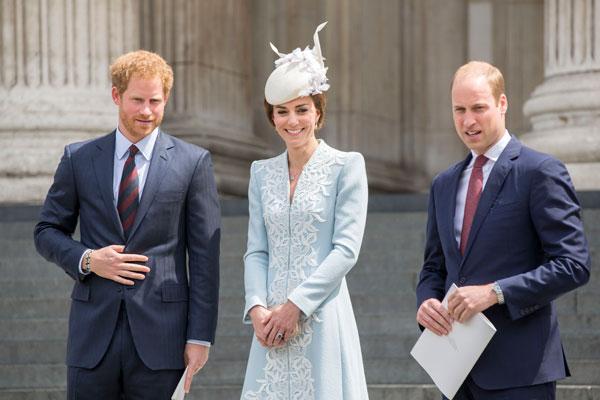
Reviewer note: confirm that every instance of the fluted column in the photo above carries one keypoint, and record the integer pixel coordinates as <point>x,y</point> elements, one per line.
<point>565,109</point>
<point>54,83</point>
<point>208,43</point>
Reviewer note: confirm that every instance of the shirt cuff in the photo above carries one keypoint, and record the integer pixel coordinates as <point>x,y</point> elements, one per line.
<point>200,342</point>
<point>80,262</point>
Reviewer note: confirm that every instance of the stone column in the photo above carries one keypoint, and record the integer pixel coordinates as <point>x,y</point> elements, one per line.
<point>518,51</point>
<point>54,83</point>
<point>565,109</point>
<point>364,48</point>
<point>385,70</point>
<point>209,45</point>
<point>444,48</point>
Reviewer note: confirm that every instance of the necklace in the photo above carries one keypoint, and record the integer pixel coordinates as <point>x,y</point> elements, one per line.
<point>295,176</point>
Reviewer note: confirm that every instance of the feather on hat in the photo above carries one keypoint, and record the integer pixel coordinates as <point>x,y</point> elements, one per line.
<point>297,74</point>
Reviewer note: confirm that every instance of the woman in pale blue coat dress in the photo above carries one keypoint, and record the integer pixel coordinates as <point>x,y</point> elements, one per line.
<point>307,209</point>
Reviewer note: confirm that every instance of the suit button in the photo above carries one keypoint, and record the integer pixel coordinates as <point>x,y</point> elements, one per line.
<point>462,280</point>
<point>119,290</point>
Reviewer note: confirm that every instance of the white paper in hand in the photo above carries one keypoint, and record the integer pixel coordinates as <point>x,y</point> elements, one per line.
<point>449,359</point>
<point>179,393</point>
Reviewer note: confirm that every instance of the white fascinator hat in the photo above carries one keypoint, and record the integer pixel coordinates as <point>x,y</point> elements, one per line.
<point>297,74</point>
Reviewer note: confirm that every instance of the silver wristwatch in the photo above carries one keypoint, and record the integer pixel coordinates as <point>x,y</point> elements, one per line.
<point>87,262</point>
<point>499,295</point>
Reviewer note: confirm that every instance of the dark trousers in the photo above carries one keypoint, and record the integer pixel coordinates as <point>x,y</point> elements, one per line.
<point>470,391</point>
<point>121,375</point>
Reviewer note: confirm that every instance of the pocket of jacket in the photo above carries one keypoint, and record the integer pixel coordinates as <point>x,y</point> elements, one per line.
<point>174,292</point>
<point>80,292</point>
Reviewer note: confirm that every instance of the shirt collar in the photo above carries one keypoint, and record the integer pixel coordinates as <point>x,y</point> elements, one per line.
<point>145,146</point>
<point>493,153</point>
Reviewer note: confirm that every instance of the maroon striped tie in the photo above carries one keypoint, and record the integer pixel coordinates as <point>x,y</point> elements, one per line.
<point>129,192</point>
<point>473,194</point>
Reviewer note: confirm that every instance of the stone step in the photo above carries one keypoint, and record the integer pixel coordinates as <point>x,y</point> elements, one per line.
<point>376,392</point>
<point>371,259</point>
<point>54,283</point>
<point>226,372</point>
<point>33,266</point>
<point>407,371</point>
<point>34,308</point>
<point>36,288</point>
<point>23,231</point>
<point>17,230</point>
<point>23,329</point>
<point>228,306</point>
<point>233,342</point>
<point>577,310</point>
<point>582,323</point>
<point>56,328</point>
<point>399,307</point>
<point>57,285</point>
<point>23,352</point>
<point>429,392</point>
<point>40,375</point>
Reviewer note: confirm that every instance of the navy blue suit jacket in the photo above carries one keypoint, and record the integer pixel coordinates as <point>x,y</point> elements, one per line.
<point>177,227</point>
<point>527,235</point>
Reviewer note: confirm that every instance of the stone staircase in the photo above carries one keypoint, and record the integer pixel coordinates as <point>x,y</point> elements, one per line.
<point>34,302</point>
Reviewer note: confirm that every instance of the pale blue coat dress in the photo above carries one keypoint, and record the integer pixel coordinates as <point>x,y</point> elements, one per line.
<point>302,252</point>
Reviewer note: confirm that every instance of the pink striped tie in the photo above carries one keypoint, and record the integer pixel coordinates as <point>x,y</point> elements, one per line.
<point>473,195</point>
<point>129,192</point>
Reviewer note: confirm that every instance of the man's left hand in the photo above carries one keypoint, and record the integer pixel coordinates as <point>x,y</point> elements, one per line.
<point>195,356</point>
<point>467,301</point>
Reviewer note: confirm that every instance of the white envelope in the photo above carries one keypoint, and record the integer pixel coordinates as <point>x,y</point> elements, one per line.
<point>179,394</point>
<point>449,359</point>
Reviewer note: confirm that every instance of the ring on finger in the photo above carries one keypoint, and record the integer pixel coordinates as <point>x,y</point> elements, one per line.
<point>279,335</point>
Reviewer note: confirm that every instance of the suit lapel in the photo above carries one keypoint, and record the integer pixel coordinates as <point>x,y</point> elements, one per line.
<point>492,188</point>
<point>104,163</point>
<point>158,166</point>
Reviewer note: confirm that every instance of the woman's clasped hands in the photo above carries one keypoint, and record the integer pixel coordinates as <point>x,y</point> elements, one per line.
<point>274,327</point>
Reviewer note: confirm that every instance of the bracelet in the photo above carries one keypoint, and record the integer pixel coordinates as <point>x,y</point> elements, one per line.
<point>87,262</point>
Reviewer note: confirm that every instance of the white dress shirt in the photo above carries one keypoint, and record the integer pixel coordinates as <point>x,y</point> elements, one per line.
<point>142,160</point>
<point>492,155</point>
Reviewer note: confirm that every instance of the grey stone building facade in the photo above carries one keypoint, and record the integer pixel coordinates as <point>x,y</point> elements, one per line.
<point>390,62</point>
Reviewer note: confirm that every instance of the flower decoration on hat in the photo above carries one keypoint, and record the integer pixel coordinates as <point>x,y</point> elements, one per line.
<point>297,74</point>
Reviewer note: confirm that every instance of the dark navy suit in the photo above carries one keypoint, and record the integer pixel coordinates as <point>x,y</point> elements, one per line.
<point>177,227</point>
<point>527,235</point>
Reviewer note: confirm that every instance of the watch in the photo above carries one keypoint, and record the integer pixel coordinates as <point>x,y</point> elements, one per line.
<point>499,295</point>
<point>87,262</point>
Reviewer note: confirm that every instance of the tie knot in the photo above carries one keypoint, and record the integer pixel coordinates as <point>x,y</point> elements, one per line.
<point>133,150</point>
<point>480,161</point>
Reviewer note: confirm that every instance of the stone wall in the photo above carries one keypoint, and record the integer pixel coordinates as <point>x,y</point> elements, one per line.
<point>390,61</point>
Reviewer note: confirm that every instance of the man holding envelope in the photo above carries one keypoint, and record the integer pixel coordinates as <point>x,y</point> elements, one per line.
<point>504,225</point>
